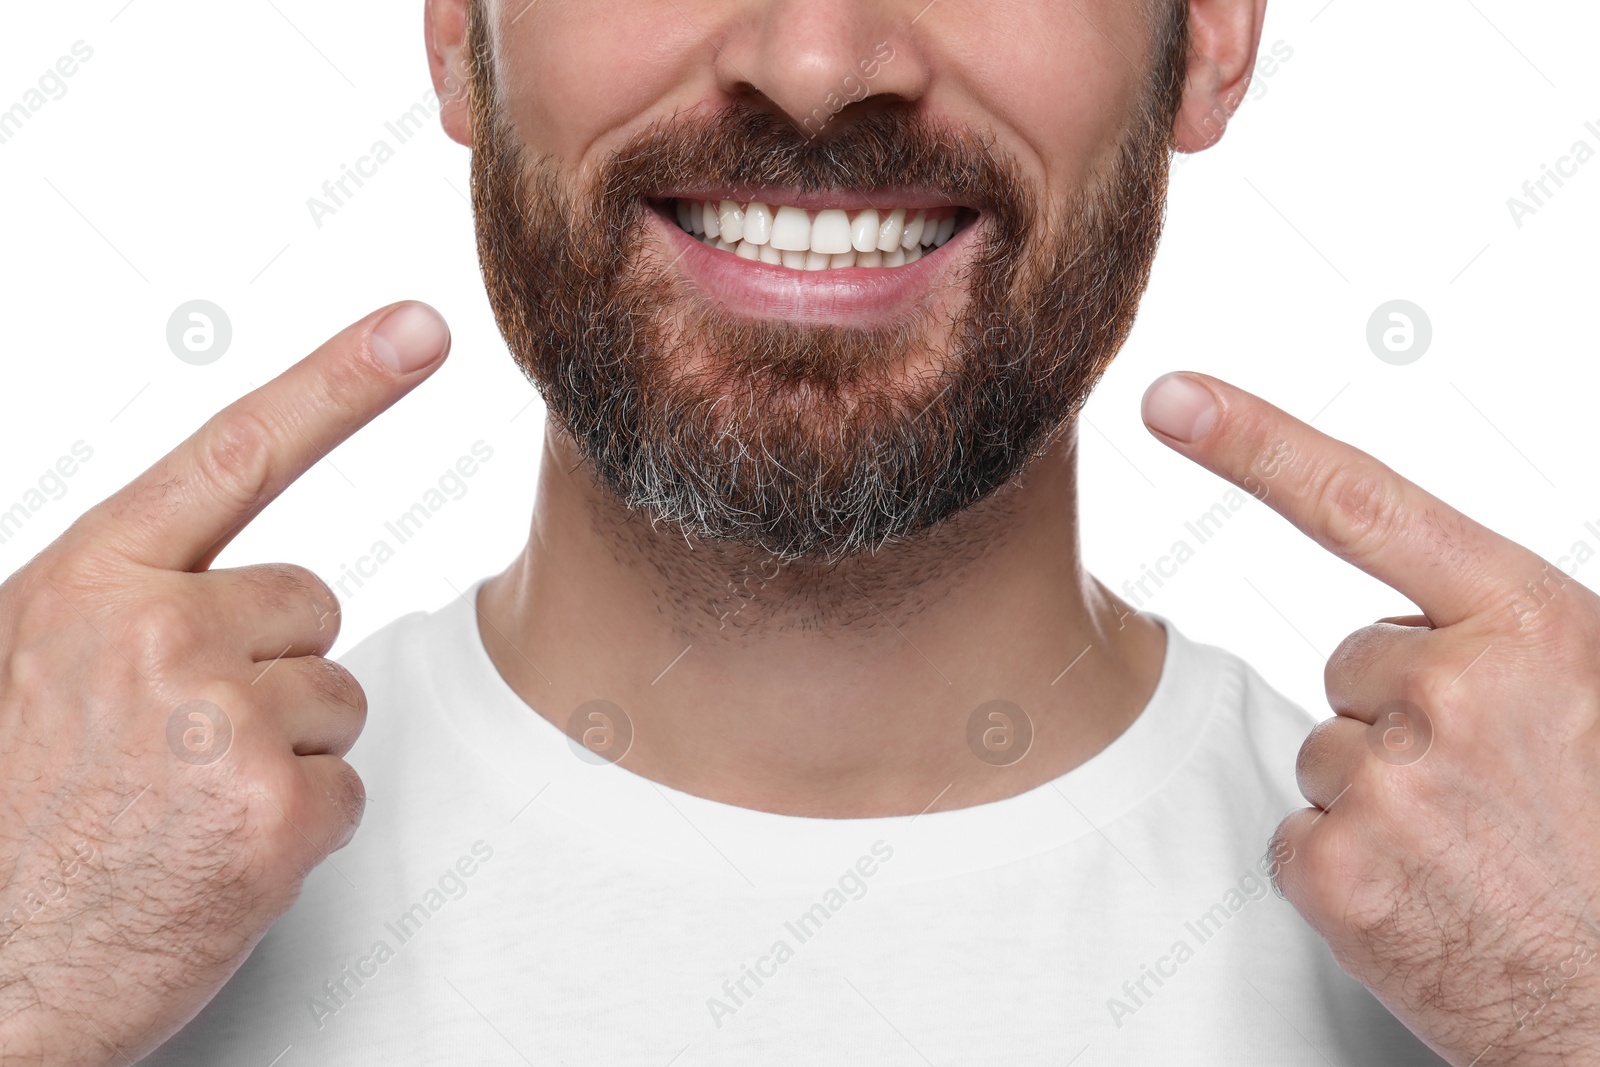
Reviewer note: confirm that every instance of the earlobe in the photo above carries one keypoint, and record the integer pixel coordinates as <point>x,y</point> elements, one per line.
<point>445,29</point>
<point>1205,111</point>
<point>1224,36</point>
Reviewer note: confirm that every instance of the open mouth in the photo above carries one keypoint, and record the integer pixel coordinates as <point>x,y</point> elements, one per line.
<point>818,239</point>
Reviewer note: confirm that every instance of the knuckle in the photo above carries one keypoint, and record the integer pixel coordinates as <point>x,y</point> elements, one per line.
<point>36,612</point>
<point>1314,753</point>
<point>231,697</point>
<point>1324,885</point>
<point>1281,852</point>
<point>343,386</point>
<point>1341,669</point>
<point>235,456</point>
<point>288,587</point>
<point>29,668</point>
<point>349,795</point>
<point>281,585</point>
<point>166,630</point>
<point>1359,506</point>
<point>280,782</point>
<point>336,685</point>
<point>1431,687</point>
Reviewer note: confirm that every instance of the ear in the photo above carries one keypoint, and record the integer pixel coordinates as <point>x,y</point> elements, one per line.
<point>1223,38</point>
<point>445,25</point>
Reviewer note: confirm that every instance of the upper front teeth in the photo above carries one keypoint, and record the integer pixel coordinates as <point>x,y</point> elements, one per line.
<point>831,238</point>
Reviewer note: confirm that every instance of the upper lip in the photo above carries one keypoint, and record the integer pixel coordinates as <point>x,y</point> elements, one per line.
<point>846,199</point>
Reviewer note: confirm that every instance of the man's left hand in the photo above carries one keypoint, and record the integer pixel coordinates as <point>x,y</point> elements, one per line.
<point>1452,856</point>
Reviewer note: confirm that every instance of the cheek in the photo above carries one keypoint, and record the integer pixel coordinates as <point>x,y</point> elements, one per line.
<point>1063,79</point>
<point>580,76</point>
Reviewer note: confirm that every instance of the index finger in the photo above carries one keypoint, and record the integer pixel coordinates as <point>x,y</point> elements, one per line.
<point>189,504</point>
<point>1348,502</point>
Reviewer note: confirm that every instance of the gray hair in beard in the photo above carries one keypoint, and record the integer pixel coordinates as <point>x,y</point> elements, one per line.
<point>803,441</point>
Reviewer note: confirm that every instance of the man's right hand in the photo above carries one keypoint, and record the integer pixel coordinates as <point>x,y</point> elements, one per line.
<point>171,737</point>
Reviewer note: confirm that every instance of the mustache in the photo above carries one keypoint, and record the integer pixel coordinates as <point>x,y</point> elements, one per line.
<point>742,145</point>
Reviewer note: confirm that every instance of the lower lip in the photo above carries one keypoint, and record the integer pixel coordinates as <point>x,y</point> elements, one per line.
<point>849,296</point>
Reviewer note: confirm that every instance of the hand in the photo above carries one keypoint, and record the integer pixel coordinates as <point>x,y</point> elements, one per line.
<point>1452,858</point>
<point>171,736</point>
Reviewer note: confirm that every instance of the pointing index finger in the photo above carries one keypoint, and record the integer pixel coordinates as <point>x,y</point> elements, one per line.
<point>1348,502</point>
<point>182,511</point>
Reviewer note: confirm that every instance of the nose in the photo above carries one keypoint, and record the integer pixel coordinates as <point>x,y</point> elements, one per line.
<point>819,61</point>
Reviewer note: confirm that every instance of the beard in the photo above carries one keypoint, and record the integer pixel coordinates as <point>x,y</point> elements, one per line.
<point>812,442</point>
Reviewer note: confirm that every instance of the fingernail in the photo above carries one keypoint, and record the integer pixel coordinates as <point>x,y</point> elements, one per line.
<point>410,337</point>
<point>1180,407</point>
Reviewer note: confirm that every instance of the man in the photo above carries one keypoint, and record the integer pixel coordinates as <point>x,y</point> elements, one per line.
<point>797,732</point>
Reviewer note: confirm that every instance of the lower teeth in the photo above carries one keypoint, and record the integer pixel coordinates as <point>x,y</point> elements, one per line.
<point>814,261</point>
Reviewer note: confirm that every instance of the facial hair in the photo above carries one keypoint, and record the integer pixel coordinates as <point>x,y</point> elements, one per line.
<point>811,442</point>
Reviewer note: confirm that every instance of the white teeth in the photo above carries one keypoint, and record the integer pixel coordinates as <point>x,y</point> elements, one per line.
<point>831,239</point>
<point>830,233</point>
<point>730,217</point>
<point>864,231</point>
<point>913,234</point>
<point>891,230</point>
<point>791,230</point>
<point>758,223</point>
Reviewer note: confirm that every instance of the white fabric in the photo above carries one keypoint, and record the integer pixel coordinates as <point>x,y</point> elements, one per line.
<point>564,912</point>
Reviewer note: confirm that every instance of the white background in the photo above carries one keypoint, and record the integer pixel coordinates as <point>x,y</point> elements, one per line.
<point>1373,164</point>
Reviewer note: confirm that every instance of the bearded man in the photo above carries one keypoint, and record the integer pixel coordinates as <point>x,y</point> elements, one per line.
<point>797,733</point>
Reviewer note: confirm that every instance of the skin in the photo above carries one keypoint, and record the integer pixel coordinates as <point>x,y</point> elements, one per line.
<point>1446,882</point>
<point>844,693</point>
<point>1451,855</point>
<point>143,862</point>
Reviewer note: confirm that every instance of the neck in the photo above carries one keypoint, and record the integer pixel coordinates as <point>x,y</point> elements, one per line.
<point>841,691</point>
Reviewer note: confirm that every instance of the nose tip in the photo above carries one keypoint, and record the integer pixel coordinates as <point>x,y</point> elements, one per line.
<point>816,60</point>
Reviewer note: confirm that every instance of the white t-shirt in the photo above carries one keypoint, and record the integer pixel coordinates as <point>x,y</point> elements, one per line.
<point>507,902</point>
